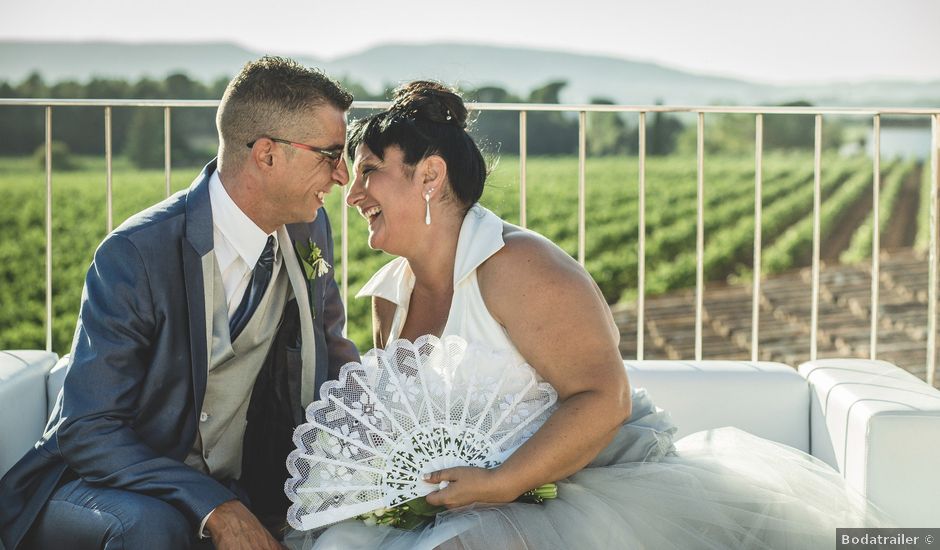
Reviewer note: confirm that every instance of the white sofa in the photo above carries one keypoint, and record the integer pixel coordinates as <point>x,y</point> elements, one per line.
<point>875,423</point>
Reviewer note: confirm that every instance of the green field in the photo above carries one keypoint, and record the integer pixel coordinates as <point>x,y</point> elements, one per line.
<point>79,223</point>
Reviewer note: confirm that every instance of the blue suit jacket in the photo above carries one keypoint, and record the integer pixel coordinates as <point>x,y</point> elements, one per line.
<point>129,410</point>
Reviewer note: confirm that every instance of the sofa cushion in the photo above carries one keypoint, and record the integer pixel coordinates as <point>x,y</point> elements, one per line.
<point>23,408</point>
<point>767,399</point>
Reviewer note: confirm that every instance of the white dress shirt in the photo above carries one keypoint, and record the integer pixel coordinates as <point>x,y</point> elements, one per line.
<point>238,243</point>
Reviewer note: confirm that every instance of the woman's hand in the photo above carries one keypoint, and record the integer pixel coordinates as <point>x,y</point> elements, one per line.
<point>467,485</point>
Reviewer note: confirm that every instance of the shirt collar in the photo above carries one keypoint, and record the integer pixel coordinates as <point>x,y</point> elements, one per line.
<point>245,239</point>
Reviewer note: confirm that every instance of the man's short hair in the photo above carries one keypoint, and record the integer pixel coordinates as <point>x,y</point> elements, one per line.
<point>265,99</point>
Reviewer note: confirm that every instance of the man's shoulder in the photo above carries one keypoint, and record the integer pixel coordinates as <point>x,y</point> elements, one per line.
<point>159,221</point>
<point>153,232</point>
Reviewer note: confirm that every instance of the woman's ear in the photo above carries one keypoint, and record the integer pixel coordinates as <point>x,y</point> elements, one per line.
<point>433,172</point>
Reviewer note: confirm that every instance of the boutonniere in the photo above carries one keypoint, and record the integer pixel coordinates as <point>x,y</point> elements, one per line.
<point>311,257</point>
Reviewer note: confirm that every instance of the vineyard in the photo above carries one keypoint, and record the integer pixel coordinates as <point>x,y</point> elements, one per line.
<point>611,203</point>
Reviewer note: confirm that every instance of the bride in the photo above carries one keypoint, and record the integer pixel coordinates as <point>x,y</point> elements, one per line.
<point>461,270</point>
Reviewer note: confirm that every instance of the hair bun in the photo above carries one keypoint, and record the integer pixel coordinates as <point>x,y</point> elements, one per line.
<point>432,101</point>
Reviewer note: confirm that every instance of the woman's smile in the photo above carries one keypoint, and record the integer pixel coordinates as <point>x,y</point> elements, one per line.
<point>372,213</point>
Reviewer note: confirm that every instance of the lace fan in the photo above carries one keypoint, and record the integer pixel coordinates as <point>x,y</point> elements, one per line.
<point>411,409</point>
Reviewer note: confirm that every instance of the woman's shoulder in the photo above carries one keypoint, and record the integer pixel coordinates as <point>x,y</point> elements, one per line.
<point>526,259</point>
<point>527,249</point>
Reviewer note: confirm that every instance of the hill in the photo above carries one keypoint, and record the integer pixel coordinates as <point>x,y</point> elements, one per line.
<point>622,80</point>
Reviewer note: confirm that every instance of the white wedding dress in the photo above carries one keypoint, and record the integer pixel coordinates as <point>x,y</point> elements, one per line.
<point>718,489</point>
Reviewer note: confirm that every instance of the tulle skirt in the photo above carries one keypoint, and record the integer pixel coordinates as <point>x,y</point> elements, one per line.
<point>717,489</point>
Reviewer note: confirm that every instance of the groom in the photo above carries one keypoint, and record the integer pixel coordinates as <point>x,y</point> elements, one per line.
<point>207,323</point>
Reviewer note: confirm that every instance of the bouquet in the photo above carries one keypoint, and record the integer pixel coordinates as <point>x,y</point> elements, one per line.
<point>417,512</point>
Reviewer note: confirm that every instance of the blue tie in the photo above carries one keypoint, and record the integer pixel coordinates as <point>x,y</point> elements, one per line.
<point>260,277</point>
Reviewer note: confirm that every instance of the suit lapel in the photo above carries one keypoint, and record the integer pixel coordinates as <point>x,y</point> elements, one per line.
<point>302,294</point>
<point>197,245</point>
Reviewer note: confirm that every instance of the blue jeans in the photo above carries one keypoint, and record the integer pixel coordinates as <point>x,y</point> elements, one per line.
<point>84,516</point>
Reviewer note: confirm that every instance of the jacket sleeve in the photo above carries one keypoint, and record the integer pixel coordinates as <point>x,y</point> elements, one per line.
<point>110,363</point>
<point>340,349</point>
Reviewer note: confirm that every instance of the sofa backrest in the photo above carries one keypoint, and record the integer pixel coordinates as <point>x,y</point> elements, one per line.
<point>770,400</point>
<point>23,403</point>
<point>767,399</point>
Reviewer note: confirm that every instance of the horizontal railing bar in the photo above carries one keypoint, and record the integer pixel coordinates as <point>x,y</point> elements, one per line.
<point>766,110</point>
<point>110,102</point>
<point>554,107</point>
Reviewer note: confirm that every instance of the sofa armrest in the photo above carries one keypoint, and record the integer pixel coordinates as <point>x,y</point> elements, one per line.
<point>880,427</point>
<point>23,408</point>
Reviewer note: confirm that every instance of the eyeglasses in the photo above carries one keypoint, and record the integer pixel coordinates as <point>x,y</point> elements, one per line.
<point>333,155</point>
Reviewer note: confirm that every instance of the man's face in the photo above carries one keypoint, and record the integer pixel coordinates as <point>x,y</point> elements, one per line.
<point>307,176</point>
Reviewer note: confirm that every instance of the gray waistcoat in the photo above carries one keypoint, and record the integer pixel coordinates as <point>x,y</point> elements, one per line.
<point>233,368</point>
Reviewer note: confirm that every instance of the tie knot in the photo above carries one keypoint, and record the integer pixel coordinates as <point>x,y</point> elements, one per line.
<point>267,255</point>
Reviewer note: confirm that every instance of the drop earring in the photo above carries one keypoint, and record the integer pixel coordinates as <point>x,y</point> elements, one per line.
<point>427,207</point>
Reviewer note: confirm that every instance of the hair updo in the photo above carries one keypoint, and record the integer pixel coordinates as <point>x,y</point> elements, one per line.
<point>426,118</point>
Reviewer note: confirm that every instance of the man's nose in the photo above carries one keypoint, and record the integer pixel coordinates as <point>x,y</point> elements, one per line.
<point>354,192</point>
<point>341,173</point>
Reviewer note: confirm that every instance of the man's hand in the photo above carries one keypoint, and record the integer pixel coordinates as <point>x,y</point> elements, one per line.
<point>234,527</point>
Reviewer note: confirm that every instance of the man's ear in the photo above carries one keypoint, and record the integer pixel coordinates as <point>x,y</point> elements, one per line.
<point>262,154</point>
<point>433,172</point>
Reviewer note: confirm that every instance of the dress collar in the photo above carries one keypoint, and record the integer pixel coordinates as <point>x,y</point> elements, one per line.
<point>481,236</point>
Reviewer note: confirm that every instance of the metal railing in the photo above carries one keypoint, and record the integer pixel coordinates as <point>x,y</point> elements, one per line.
<point>523,109</point>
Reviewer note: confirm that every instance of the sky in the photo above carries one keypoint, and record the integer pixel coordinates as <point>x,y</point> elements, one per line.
<point>792,41</point>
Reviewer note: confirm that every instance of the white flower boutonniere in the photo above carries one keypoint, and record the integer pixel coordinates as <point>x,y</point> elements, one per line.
<point>311,257</point>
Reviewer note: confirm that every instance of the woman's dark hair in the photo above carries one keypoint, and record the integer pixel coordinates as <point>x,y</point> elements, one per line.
<point>426,118</point>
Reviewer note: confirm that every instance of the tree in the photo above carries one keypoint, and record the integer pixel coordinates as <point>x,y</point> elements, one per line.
<point>62,159</point>
<point>734,133</point>
<point>145,145</point>
<point>551,133</point>
<point>495,131</point>
<point>607,133</point>
<point>662,133</point>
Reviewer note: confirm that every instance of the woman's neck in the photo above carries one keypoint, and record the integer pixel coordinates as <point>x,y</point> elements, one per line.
<point>433,262</point>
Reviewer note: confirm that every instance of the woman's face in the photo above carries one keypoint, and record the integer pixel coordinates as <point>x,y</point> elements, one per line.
<point>386,195</point>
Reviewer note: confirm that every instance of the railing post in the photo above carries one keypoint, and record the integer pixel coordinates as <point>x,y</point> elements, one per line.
<point>875,236</point>
<point>817,199</point>
<point>166,148</point>
<point>641,250</point>
<point>344,258</point>
<point>48,228</point>
<point>582,143</point>
<point>700,237</point>
<point>932,253</point>
<point>758,211</point>
<point>523,153</point>
<point>107,161</point>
